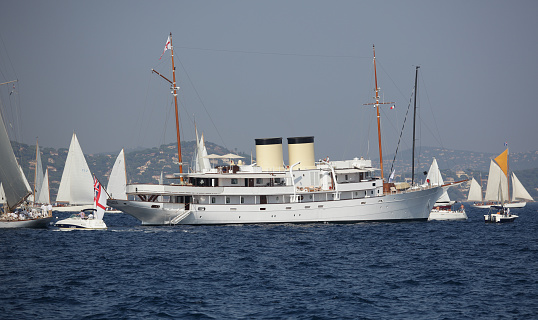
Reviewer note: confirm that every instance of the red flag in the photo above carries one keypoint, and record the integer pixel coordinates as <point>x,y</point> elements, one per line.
<point>167,46</point>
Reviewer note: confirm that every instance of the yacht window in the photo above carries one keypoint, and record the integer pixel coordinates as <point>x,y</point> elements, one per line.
<point>346,177</point>
<point>213,200</point>
<point>258,181</point>
<point>234,181</point>
<point>242,199</point>
<point>227,199</point>
<point>373,184</point>
<point>277,180</point>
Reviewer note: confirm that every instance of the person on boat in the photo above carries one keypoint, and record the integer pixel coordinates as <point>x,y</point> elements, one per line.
<point>44,209</point>
<point>90,216</point>
<point>49,209</point>
<point>81,214</point>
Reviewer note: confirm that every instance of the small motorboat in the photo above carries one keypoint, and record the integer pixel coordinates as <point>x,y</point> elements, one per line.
<point>86,219</point>
<point>499,214</point>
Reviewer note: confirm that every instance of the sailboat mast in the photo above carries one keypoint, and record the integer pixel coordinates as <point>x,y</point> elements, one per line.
<point>378,118</point>
<point>414,125</point>
<point>174,87</point>
<point>507,172</point>
<point>35,177</point>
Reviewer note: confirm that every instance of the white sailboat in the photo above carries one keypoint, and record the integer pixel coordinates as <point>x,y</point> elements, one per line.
<point>16,190</point>
<point>305,191</point>
<point>75,191</point>
<point>88,219</point>
<point>498,187</point>
<point>41,182</point>
<point>443,207</point>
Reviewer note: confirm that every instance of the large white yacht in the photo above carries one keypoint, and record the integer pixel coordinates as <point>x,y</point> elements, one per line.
<point>307,191</point>
<point>304,191</point>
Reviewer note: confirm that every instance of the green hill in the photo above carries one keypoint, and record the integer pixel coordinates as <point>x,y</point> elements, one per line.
<point>145,166</point>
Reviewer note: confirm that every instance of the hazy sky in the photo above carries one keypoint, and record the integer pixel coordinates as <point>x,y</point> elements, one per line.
<point>261,69</point>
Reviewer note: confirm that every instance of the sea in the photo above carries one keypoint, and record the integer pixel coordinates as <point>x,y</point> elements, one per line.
<point>412,270</point>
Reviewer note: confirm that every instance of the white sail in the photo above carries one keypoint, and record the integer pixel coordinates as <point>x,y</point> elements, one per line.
<point>38,183</point>
<point>497,188</point>
<point>2,194</point>
<point>117,182</point>
<point>518,190</point>
<point>201,163</point>
<point>475,192</point>
<point>15,188</point>
<point>76,186</point>
<point>44,195</point>
<point>434,178</point>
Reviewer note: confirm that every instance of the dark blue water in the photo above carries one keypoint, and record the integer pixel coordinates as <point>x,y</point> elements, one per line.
<point>426,270</point>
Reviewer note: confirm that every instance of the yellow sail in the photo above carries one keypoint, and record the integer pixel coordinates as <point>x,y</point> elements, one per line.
<point>502,161</point>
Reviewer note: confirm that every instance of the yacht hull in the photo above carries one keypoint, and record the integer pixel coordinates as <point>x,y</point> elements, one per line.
<point>33,223</point>
<point>409,206</point>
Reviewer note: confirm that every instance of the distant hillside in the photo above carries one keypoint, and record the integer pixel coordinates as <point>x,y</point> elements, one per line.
<point>458,159</point>
<point>142,166</point>
<point>145,166</point>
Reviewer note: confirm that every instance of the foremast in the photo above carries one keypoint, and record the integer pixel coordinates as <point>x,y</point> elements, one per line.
<point>174,87</point>
<point>174,92</point>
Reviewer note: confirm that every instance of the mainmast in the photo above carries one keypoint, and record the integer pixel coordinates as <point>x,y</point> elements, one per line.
<point>414,124</point>
<point>378,118</point>
<point>377,103</point>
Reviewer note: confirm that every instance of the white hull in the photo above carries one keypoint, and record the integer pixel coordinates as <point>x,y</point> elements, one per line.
<point>507,205</point>
<point>407,206</point>
<point>72,208</point>
<point>499,218</point>
<point>79,223</point>
<point>447,215</point>
<point>31,223</point>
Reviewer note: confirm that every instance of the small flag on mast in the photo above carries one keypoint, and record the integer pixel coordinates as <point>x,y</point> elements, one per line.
<point>392,107</point>
<point>167,46</point>
<point>99,199</point>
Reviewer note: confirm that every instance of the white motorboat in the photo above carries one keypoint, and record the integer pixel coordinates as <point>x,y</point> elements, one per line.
<point>499,214</point>
<point>304,191</point>
<point>84,220</point>
<point>89,219</point>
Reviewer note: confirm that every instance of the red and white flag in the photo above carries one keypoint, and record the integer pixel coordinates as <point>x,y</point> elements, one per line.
<point>99,199</point>
<point>392,107</point>
<point>167,46</point>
